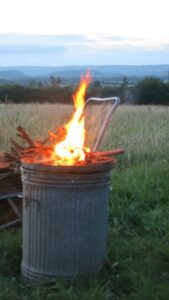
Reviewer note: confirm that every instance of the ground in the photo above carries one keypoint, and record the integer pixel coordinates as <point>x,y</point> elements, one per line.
<point>137,265</point>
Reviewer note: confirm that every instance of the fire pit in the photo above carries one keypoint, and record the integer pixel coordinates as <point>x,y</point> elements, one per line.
<point>64,219</point>
<point>65,198</point>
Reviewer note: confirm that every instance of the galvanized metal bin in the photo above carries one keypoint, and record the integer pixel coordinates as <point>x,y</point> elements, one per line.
<point>64,220</point>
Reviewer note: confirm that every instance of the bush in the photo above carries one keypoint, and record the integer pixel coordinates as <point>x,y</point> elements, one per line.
<point>152,90</point>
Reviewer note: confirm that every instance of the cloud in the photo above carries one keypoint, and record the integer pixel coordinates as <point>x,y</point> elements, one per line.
<point>93,41</point>
<point>23,39</point>
<point>31,50</point>
<point>114,42</point>
<point>21,49</point>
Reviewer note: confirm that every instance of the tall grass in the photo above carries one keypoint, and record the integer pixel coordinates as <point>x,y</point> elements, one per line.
<point>137,266</point>
<point>37,119</point>
<point>138,128</point>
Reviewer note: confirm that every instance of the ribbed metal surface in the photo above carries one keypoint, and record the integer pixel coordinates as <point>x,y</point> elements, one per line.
<point>64,223</point>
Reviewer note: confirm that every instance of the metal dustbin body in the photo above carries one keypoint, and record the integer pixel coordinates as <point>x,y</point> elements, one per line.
<point>64,220</point>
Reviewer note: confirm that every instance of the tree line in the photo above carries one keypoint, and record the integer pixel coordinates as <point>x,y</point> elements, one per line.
<point>149,90</point>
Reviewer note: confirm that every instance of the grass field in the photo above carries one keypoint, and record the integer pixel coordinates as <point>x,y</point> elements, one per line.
<point>137,266</point>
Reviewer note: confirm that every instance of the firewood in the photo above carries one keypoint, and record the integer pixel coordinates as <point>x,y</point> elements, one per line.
<point>15,152</point>
<point>22,134</point>
<point>4,166</point>
<point>45,140</point>
<point>37,151</point>
<point>57,137</point>
<point>109,153</point>
<point>1,154</point>
<point>16,145</point>
<point>11,157</point>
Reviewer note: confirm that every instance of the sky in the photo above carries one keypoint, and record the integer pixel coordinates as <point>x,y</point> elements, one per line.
<point>72,32</point>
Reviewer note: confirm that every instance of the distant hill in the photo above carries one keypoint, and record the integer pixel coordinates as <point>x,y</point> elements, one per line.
<point>76,73</point>
<point>11,74</point>
<point>100,71</point>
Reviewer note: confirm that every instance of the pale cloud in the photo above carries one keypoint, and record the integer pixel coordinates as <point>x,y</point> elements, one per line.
<point>52,32</point>
<point>109,42</point>
<point>79,50</point>
<point>136,19</point>
<point>98,41</point>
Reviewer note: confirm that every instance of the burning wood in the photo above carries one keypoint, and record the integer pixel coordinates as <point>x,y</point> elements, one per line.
<point>66,146</point>
<point>38,152</point>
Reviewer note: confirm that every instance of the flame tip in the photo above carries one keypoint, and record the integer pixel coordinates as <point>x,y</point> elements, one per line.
<point>71,150</point>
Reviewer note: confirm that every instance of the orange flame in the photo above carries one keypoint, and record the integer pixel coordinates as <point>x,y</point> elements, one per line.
<point>71,150</point>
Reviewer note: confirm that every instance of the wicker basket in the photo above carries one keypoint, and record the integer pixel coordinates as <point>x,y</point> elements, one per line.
<point>10,183</point>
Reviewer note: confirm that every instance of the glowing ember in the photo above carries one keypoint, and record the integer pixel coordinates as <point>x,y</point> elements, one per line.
<point>71,150</point>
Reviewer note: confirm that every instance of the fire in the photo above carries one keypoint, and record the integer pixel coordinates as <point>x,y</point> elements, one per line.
<point>71,150</point>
